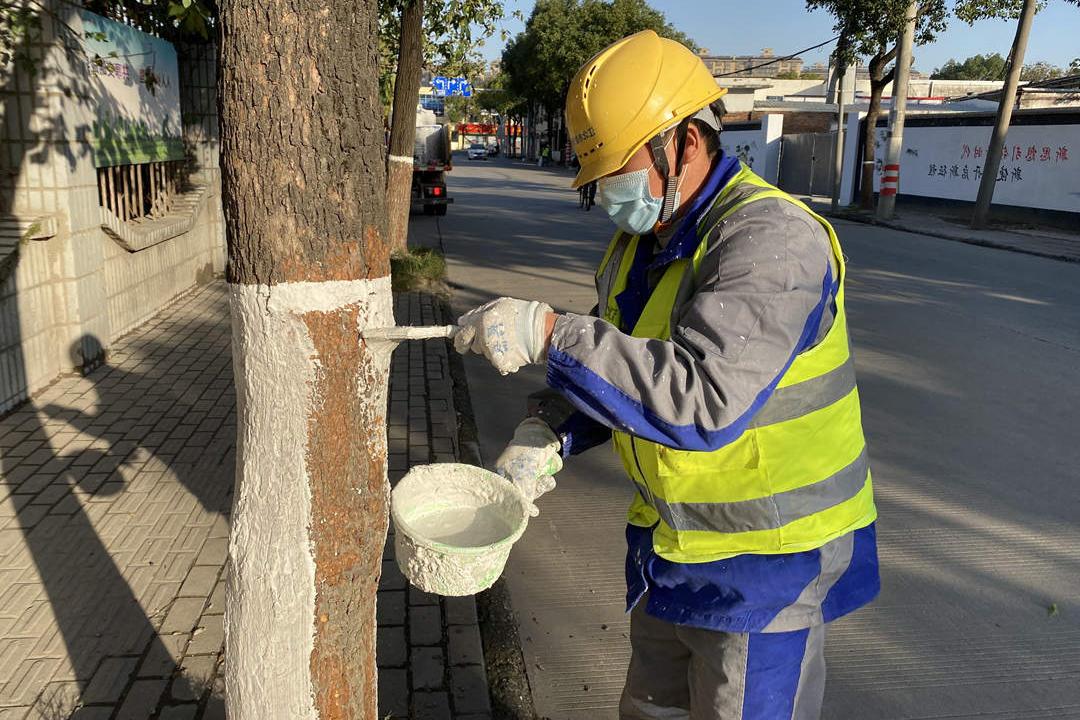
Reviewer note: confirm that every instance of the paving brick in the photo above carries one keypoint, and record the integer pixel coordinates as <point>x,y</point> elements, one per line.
<point>141,699</point>
<point>197,674</point>
<point>460,610</point>
<point>428,668</point>
<point>390,607</point>
<point>391,578</point>
<point>214,552</point>
<point>200,581</point>
<point>109,680</point>
<point>179,712</point>
<point>96,712</point>
<point>58,699</point>
<point>390,647</point>
<point>183,615</point>
<point>469,687</point>
<point>431,706</point>
<point>419,597</point>
<point>209,635</point>
<point>216,604</point>
<point>464,645</point>
<point>393,694</point>
<point>425,625</point>
<point>164,655</point>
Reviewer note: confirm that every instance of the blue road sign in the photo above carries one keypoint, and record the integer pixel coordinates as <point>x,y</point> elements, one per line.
<point>445,86</point>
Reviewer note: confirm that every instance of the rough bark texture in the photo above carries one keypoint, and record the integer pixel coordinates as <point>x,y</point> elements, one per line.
<point>403,123</point>
<point>301,142</point>
<point>878,80</point>
<point>303,161</point>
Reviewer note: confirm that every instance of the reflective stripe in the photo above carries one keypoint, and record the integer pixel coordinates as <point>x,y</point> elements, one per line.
<point>794,401</point>
<point>770,512</point>
<point>835,558</point>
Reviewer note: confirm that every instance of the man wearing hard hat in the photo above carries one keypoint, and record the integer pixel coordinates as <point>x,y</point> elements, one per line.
<point>718,362</point>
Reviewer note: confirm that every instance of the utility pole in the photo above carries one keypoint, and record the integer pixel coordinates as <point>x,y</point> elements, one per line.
<point>890,182</point>
<point>838,149</point>
<point>1004,115</point>
<point>399,165</point>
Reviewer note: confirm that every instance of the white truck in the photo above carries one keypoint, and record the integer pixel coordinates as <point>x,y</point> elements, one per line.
<point>431,162</point>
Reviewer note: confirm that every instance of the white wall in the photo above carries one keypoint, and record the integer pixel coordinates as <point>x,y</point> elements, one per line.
<point>759,148</point>
<point>1041,170</point>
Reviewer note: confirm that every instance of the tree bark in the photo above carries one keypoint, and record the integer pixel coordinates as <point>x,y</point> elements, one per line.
<point>304,178</point>
<point>403,124</point>
<point>878,80</point>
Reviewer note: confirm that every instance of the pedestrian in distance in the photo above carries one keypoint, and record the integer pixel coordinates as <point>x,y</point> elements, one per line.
<point>717,361</point>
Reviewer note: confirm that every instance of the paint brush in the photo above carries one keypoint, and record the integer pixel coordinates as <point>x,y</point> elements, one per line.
<point>399,334</point>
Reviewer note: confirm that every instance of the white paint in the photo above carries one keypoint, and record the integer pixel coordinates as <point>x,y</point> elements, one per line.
<point>1042,169</point>
<point>455,525</point>
<point>270,596</point>
<point>401,159</point>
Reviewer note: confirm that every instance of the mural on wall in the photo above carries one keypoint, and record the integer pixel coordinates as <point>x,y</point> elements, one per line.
<point>136,88</point>
<point>742,144</point>
<point>1038,164</point>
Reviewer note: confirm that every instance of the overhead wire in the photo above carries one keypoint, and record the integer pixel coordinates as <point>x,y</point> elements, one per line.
<point>779,59</point>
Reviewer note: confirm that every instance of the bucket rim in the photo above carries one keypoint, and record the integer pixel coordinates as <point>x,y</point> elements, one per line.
<point>400,524</point>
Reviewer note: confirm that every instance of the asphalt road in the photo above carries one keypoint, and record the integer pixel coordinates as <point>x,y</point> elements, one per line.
<point>969,368</point>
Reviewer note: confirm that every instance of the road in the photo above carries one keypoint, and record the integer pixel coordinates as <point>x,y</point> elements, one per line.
<point>969,368</point>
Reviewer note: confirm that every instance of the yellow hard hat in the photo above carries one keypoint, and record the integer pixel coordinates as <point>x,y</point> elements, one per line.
<point>628,93</point>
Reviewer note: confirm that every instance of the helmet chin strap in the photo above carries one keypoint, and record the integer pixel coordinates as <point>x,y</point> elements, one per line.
<point>672,175</point>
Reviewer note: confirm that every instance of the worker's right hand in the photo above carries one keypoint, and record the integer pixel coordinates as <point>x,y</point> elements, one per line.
<point>531,460</point>
<point>508,332</point>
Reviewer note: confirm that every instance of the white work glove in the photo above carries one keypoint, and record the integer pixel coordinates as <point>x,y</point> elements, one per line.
<point>531,460</point>
<point>508,332</point>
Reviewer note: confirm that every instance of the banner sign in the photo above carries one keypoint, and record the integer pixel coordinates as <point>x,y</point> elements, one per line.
<point>135,84</point>
<point>476,128</point>
<point>1040,164</point>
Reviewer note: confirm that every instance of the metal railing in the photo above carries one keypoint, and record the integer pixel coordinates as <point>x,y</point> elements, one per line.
<point>139,192</point>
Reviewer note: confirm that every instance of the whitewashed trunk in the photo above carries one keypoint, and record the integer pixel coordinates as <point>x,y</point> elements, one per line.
<point>271,621</point>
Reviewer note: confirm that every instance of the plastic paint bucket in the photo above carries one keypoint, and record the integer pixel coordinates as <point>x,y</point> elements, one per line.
<point>454,526</point>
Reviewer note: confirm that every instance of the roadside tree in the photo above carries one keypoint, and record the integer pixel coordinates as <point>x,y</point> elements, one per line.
<point>302,158</point>
<point>559,37</point>
<point>977,67</point>
<point>871,28</point>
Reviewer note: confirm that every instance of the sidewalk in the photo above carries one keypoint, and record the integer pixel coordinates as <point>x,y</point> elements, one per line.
<point>114,504</point>
<point>1053,243</point>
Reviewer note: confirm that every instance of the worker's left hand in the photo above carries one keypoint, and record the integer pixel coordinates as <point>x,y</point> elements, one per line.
<point>531,459</point>
<point>508,332</point>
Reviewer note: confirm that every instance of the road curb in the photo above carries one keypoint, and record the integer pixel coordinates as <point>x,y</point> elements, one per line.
<point>955,237</point>
<point>511,696</point>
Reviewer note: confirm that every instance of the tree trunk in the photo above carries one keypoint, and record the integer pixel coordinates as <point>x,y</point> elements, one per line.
<point>302,160</point>
<point>878,80</point>
<point>403,124</point>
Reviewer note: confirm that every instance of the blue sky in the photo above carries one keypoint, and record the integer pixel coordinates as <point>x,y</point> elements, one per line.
<point>730,27</point>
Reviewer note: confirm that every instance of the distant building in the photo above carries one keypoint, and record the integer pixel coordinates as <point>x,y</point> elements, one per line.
<point>746,65</point>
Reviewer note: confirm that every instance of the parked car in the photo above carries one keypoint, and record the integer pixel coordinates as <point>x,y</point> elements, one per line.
<point>477,151</point>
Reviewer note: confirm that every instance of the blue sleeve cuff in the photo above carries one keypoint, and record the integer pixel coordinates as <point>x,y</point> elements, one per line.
<point>580,433</point>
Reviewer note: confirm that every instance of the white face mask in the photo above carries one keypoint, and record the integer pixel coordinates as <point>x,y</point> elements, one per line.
<point>628,202</point>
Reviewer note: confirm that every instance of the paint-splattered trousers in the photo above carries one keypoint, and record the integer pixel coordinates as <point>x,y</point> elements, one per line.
<point>684,673</point>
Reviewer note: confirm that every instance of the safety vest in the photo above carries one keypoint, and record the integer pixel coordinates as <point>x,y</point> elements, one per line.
<point>797,477</point>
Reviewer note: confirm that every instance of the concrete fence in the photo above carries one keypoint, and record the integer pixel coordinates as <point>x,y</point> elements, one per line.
<point>74,277</point>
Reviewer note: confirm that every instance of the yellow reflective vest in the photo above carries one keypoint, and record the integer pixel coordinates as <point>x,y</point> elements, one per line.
<point>796,478</point>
